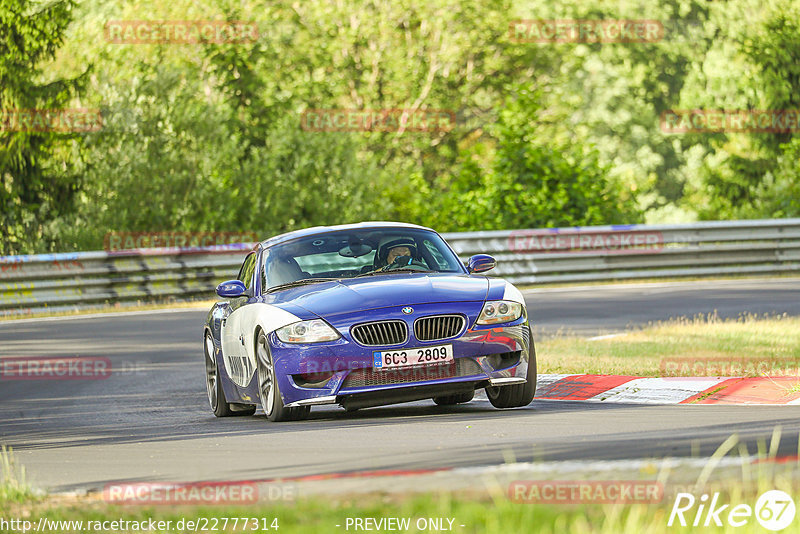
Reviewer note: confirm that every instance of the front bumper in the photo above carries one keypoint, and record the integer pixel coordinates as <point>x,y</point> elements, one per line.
<point>491,355</point>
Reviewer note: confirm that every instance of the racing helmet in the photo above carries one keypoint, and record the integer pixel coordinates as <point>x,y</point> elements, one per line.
<point>389,244</point>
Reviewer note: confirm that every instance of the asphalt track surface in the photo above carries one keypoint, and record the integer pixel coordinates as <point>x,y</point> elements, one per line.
<point>149,421</point>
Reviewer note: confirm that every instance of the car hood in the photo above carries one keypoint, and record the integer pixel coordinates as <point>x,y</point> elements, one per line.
<point>381,291</point>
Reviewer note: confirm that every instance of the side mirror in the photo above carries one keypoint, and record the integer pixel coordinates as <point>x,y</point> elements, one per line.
<point>480,263</point>
<point>231,289</point>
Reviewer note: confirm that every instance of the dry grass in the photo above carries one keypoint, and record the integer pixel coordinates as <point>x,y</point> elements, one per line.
<point>489,513</point>
<point>13,483</point>
<point>754,345</point>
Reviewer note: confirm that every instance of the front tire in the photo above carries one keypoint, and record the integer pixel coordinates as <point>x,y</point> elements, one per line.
<point>216,396</point>
<point>268,390</point>
<point>518,395</point>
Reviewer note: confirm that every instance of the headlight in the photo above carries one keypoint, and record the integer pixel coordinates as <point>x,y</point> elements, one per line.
<point>500,311</point>
<point>312,331</point>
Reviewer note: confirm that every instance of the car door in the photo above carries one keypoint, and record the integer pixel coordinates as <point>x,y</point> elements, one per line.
<point>233,334</point>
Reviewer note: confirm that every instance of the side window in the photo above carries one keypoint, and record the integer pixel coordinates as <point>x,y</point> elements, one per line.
<point>262,270</point>
<point>246,272</point>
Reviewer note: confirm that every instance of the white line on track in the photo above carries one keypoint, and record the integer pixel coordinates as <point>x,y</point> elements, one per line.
<point>606,336</point>
<point>655,285</point>
<point>567,466</point>
<point>12,322</point>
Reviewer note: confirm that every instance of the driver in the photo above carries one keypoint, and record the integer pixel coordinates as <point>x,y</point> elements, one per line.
<point>398,253</point>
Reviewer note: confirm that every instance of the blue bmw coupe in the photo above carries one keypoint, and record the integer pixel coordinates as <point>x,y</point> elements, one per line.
<point>364,315</point>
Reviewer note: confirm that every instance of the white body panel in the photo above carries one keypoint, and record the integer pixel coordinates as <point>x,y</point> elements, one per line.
<point>513,294</point>
<point>238,343</point>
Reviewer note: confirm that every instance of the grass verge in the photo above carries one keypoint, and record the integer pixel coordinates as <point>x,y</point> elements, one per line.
<point>13,484</point>
<point>454,512</point>
<point>489,510</point>
<point>746,346</point>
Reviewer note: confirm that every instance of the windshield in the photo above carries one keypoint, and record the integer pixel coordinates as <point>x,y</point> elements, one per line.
<point>351,253</point>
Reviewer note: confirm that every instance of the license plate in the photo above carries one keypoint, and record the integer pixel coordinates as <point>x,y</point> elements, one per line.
<point>392,359</point>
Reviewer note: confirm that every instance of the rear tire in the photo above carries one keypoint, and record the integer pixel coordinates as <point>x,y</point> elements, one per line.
<point>216,396</point>
<point>517,395</point>
<point>458,398</point>
<point>268,390</point>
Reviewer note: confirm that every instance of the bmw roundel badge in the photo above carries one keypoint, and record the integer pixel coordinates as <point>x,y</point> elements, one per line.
<point>408,310</point>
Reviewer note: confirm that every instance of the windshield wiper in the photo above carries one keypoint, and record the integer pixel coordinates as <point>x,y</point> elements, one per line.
<point>405,270</point>
<point>301,282</point>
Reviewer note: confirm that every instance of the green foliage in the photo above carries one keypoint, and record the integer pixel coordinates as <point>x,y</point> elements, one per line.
<point>741,191</point>
<point>167,160</point>
<point>208,137</point>
<point>534,181</point>
<point>754,63</point>
<point>36,179</point>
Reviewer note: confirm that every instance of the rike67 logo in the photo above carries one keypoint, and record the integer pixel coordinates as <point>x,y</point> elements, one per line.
<point>774,510</point>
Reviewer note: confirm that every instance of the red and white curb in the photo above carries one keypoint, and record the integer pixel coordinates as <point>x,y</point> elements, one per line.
<point>670,390</point>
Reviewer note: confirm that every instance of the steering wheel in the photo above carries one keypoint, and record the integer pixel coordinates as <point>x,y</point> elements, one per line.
<point>405,262</point>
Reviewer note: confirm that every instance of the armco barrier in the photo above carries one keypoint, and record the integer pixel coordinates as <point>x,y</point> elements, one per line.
<point>30,284</point>
<point>596,253</point>
<point>712,248</point>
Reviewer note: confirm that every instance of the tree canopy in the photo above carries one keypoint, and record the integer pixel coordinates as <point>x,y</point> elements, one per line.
<point>210,136</point>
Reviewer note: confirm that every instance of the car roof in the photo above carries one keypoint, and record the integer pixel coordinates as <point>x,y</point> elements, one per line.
<point>326,229</point>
